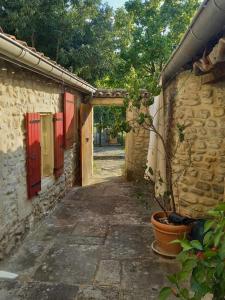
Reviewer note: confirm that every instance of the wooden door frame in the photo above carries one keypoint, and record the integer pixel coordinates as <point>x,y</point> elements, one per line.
<point>86,141</point>
<point>94,102</point>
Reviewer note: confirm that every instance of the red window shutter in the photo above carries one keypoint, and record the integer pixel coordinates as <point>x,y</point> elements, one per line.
<point>58,144</point>
<point>33,127</point>
<point>69,132</point>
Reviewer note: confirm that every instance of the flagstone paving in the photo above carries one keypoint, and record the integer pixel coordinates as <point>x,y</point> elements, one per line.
<point>109,162</point>
<point>95,245</point>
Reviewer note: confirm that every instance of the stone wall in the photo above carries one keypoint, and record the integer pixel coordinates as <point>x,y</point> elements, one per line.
<point>136,150</point>
<point>201,108</point>
<point>22,91</point>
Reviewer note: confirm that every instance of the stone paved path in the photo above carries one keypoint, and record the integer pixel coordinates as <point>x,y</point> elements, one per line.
<point>109,163</point>
<point>109,151</point>
<point>95,245</point>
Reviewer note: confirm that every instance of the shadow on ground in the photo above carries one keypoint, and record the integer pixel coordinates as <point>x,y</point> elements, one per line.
<point>95,245</point>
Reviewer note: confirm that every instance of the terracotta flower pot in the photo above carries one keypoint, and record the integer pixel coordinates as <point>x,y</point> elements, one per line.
<point>166,233</point>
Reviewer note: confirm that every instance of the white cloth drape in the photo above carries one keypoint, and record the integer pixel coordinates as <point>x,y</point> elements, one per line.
<point>156,153</point>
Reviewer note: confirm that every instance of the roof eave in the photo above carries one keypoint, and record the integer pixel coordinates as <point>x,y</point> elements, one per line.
<point>19,52</point>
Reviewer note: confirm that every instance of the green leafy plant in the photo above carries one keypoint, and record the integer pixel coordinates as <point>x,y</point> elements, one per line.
<point>138,101</point>
<point>109,118</point>
<point>203,264</point>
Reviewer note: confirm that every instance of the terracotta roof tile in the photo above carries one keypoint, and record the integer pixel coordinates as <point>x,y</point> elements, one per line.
<point>208,62</point>
<point>34,50</point>
<point>109,93</point>
<point>24,44</point>
<point>116,93</point>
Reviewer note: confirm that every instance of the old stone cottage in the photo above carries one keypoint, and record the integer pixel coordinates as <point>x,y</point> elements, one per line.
<point>46,136</point>
<point>39,148</point>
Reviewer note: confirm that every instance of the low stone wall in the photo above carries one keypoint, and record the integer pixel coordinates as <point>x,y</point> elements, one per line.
<point>22,91</point>
<point>201,108</point>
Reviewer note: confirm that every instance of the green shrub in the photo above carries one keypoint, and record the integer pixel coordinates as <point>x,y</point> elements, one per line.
<point>203,264</point>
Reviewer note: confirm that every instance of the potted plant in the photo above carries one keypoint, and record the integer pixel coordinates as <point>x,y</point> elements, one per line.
<point>202,275</point>
<point>167,224</point>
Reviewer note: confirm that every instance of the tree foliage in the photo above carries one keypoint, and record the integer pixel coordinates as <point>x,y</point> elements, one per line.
<point>153,30</point>
<point>106,47</point>
<point>76,33</point>
<point>111,118</point>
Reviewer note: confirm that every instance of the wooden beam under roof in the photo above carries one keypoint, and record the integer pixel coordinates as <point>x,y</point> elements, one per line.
<point>107,101</point>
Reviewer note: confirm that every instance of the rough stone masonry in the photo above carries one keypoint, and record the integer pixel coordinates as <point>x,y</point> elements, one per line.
<point>201,108</point>
<point>22,91</point>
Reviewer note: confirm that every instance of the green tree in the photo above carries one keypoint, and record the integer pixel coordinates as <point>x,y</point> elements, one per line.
<point>151,30</point>
<point>108,48</point>
<point>76,33</point>
<point>41,23</point>
<point>90,49</point>
<point>109,117</point>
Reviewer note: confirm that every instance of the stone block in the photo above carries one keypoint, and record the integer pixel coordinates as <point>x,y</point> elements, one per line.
<point>210,159</point>
<point>220,100</point>
<point>222,159</point>
<point>201,145</point>
<point>197,158</point>
<point>207,201</point>
<point>211,123</point>
<point>219,189</point>
<point>192,102</point>
<point>202,132</point>
<point>203,114</point>
<point>197,192</point>
<point>203,186</point>
<point>214,145</point>
<point>218,111</point>
<point>219,178</point>
<point>189,113</point>
<point>208,194</point>
<point>215,196</point>
<point>198,123</point>
<point>206,176</point>
<point>207,100</point>
<point>206,92</point>
<point>193,173</point>
<point>180,115</point>
<point>188,180</point>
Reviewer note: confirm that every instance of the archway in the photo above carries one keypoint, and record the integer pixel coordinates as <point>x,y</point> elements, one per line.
<point>136,143</point>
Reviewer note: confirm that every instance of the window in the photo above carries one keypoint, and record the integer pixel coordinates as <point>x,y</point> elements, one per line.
<point>45,150</point>
<point>47,145</point>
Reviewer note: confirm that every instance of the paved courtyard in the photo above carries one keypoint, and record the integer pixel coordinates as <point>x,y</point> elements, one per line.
<point>109,163</point>
<point>95,245</point>
<point>111,151</point>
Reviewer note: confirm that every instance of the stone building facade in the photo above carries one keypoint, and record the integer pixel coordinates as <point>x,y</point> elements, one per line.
<point>199,161</point>
<point>21,92</point>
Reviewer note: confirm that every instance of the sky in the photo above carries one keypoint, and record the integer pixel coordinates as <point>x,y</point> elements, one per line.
<point>116,3</point>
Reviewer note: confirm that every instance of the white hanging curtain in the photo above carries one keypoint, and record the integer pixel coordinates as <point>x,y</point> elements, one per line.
<point>156,153</point>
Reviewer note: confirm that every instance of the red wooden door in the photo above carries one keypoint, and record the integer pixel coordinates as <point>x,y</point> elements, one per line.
<point>33,125</point>
<point>69,125</point>
<point>58,145</point>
